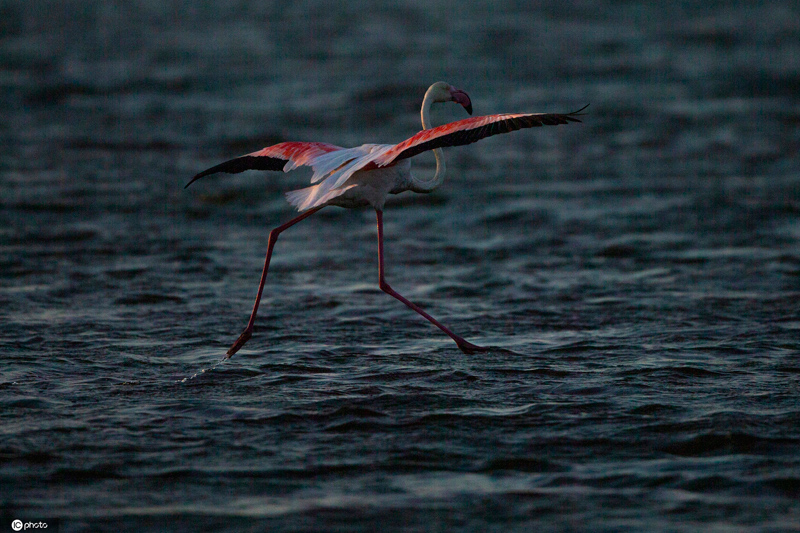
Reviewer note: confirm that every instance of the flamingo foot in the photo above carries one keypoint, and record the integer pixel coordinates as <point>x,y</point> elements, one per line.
<point>243,338</point>
<point>469,348</point>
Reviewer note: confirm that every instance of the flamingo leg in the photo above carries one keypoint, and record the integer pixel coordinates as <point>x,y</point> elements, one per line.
<point>464,346</point>
<point>273,237</point>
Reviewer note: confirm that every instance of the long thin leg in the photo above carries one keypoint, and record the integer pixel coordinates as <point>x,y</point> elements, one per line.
<point>273,237</point>
<point>466,347</point>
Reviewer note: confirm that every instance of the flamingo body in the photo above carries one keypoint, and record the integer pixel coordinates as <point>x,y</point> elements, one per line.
<point>365,175</point>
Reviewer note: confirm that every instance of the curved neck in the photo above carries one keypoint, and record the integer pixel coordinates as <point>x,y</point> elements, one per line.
<point>425,186</point>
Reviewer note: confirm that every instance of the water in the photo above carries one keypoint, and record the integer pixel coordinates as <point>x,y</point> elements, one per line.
<point>639,274</point>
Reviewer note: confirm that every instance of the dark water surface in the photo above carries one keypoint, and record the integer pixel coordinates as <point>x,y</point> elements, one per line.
<point>639,274</point>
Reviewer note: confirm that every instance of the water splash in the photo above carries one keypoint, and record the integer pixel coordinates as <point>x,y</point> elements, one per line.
<point>203,371</point>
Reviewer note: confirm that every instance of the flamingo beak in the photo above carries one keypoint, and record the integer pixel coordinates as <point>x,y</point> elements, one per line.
<point>462,98</point>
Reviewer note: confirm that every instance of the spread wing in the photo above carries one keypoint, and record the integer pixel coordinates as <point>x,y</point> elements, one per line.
<point>471,130</point>
<point>284,156</point>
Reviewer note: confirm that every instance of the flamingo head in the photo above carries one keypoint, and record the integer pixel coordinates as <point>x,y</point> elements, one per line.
<point>444,92</point>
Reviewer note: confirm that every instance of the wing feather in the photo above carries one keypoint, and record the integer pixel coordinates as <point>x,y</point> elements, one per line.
<point>337,168</point>
<point>284,156</point>
<point>471,130</point>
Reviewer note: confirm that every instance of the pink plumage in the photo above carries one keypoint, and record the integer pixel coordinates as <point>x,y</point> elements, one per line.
<point>296,153</point>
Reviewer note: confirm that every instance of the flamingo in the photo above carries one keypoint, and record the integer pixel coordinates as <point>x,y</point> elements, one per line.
<point>365,175</point>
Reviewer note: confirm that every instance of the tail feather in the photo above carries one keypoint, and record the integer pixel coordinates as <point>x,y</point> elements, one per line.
<point>314,196</point>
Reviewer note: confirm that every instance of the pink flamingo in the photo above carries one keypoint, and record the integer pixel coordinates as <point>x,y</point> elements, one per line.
<point>366,174</point>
